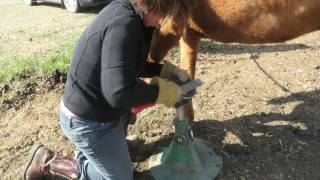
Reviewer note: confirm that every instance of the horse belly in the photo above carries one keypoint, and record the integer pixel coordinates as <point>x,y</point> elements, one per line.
<point>254,21</point>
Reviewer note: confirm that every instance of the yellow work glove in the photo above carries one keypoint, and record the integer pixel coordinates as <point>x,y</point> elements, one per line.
<point>169,92</point>
<point>170,71</point>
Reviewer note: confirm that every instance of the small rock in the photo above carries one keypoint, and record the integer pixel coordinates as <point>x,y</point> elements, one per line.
<point>264,114</point>
<point>4,89</point>
<point>63,79</point>
<point>56,74</point>
<point>153,133</point>
<point>317,68</point>
<point>145,134</point>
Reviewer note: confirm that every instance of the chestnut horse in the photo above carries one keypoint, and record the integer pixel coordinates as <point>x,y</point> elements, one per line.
<point>242,21</point>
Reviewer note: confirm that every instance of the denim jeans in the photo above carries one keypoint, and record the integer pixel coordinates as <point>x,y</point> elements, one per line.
<point>103,151</point>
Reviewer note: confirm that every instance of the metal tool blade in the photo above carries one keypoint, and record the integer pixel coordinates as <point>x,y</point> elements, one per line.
<point>191,85</point>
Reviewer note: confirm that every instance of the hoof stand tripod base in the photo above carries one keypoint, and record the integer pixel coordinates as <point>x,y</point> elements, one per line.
<point>186,158</point>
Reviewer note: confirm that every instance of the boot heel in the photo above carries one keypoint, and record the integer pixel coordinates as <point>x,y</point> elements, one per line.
<point>30,158</point>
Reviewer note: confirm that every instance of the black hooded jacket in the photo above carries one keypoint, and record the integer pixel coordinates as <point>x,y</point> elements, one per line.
<point>110,55</point>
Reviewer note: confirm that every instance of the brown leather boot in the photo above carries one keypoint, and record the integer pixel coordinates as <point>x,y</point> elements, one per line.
<point>43,162</point>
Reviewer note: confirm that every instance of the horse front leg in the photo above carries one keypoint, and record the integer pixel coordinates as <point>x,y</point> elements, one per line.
<point>189,46</point>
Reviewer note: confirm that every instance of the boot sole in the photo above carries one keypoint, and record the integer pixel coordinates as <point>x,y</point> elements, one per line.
<point>30,158</point>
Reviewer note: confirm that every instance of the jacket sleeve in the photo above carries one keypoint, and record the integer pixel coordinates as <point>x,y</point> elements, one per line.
<point>152,69</point>
<point>120,48</point>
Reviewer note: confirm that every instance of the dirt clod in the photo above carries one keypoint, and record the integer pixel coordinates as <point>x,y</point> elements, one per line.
<point>3,89</point>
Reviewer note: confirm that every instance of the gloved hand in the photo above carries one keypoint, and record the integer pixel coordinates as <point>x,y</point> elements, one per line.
<point>169,92</point>
<point>170,71</point>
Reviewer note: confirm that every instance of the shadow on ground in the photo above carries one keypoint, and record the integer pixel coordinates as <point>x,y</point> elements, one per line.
<point>282,144</point>
<point>212,47</point>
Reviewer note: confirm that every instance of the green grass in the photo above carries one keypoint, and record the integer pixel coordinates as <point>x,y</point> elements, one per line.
<point>57,59</point>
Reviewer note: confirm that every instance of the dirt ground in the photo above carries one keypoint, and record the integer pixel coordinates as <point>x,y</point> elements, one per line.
<point>37,30</point>
<point>259,107</point>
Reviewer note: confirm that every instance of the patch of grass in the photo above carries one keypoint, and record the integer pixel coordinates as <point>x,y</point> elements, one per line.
<point>207,46</point>
<point>175,50</point>
<point>57,59</point>
<point>174,54</point>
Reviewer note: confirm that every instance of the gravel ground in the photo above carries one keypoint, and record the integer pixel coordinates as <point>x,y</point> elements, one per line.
<point>259,107</point>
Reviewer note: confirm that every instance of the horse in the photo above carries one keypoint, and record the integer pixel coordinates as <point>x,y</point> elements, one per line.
<point>241,21</point>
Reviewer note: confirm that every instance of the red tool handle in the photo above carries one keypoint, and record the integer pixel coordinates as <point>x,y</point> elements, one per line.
<point>139,108</point>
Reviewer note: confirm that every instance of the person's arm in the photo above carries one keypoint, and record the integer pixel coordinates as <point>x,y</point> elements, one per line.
<point>152,69</point>
<point>120,48</point>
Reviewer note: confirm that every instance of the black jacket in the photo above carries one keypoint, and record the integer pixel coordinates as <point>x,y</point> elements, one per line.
<point>109,57</point>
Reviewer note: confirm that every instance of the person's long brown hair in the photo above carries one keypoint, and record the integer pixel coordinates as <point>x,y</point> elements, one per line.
<point>173,13</point>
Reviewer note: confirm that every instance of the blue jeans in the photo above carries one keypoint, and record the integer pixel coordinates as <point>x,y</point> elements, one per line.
<point>103,151</point>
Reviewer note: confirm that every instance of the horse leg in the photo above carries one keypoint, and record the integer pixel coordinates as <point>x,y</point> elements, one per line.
<point>160,45</point>
<point>189,45</point>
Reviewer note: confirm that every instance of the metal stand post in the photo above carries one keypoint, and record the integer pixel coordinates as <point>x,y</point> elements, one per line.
<point>187,158</point>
